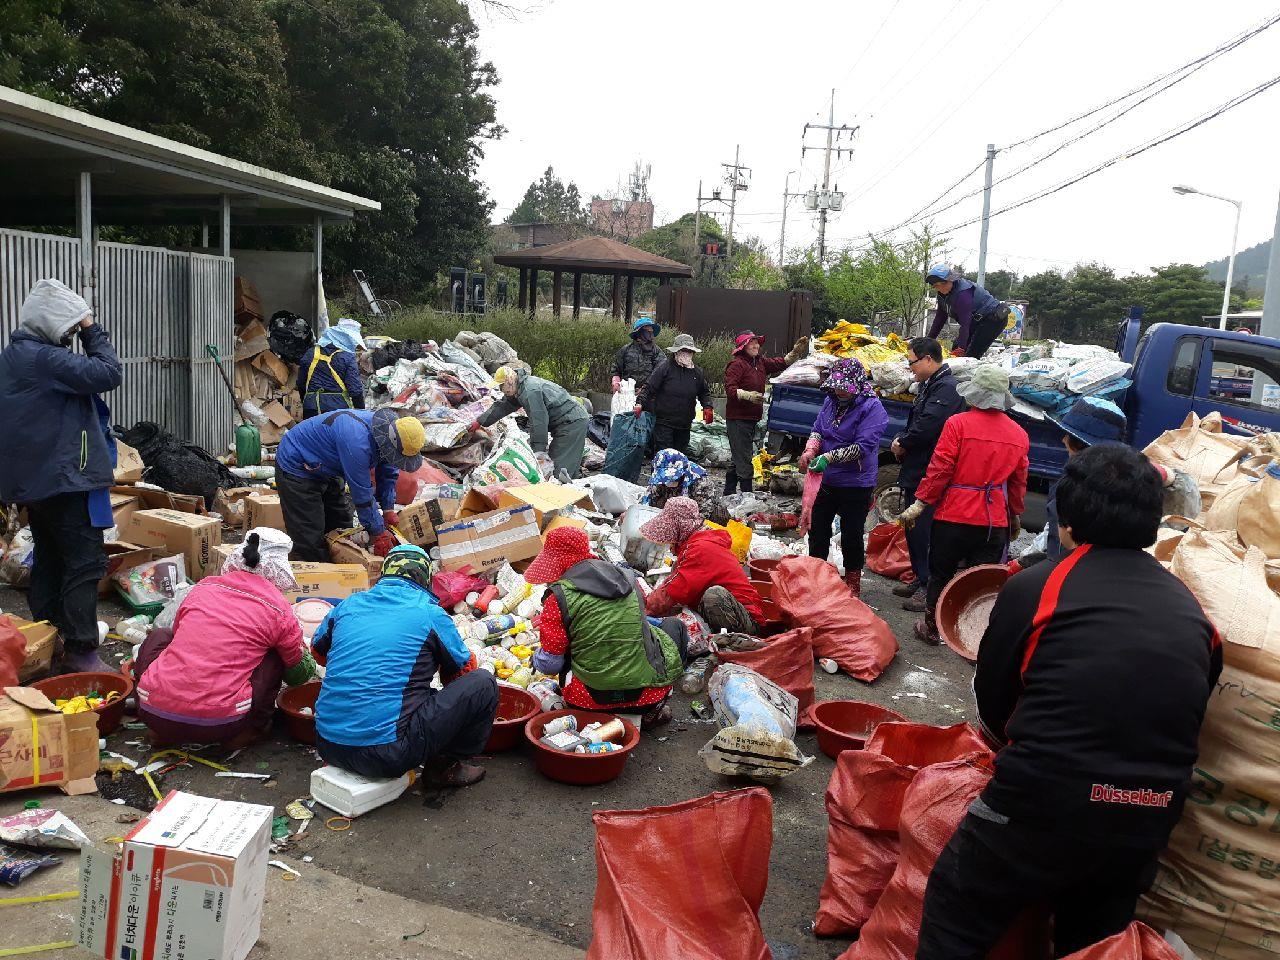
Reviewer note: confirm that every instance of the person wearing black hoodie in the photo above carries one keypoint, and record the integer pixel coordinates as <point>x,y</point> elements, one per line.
<point>674,389</point>
<point>1093,677</point>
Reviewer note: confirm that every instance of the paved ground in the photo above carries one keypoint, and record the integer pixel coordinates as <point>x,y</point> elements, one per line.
<point>518,848</point>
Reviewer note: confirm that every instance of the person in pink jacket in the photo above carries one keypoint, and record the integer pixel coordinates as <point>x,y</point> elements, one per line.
<point>215,676</point>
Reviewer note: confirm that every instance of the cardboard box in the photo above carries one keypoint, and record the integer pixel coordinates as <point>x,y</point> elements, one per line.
<point>153,499</point>
<point>129,465</point>
<point>188,534</point>
<point>275,368</point>
<point>247,303</point>
<point>123,507</point>
<point>189,881</point>
<point>122,555</point>
<point>418,521</point>
<point>42,747</point>
<point>547,499</point>
<point>343,550</point>
<point>328,580</point>
<point>278,421</point>
<point>42,644</point>
<point>486,541</point>
<point>263,510</point>
<point>218,556</point>
<point>578,523</point>
<point>477,501</point>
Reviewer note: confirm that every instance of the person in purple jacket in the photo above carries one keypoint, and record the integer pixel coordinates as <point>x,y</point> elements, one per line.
<point>981,316</point>
<point>845,448</point>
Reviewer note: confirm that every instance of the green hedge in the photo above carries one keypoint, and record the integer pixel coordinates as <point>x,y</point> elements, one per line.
<point>577,354</point>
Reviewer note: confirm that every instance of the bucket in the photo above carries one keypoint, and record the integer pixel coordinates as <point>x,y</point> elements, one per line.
<point>516,707</point>
<point>762,569</point>
<point>310,611</point>
<point>846,724</point>
<point>69,685</point>
<point>581,769</point>
<point>302,727</point>
<point>964,607</point>
<point>764,588</point>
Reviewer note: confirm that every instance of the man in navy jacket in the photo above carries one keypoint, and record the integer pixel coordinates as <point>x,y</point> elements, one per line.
<point>56,458</point>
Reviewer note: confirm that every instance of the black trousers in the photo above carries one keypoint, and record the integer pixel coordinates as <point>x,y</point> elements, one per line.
<point>311,508</point>
<point>985,331</point>
<point>918,540</point>
<point>991,871</point>
<point>668,435</point>
<point>742,444</point>
<point>954,546</point>
<point>69,561</point>
<point>455,723</point>
<point>851,505</point>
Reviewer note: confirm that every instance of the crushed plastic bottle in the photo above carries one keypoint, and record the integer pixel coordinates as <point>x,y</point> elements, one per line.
<point>694,678</point>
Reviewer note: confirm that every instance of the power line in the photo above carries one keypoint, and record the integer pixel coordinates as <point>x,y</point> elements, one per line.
<point>906,61</point>
<point>858,59</point>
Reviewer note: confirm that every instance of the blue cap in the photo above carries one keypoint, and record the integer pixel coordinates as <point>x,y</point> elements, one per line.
<point>939,271</point>
<point>643,322</point>
<point>1094,421</point>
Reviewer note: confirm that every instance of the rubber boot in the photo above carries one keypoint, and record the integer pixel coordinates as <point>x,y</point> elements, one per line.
<point>927,630</point>
<point>745,485</point>
<point>853,580</point>
<point>730,482</point>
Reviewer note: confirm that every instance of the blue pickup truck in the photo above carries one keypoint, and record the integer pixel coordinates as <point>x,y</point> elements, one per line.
<point>1176,370</point>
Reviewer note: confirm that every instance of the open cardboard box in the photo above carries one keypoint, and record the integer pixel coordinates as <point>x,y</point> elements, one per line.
<point>121,556</point>
<point>188,534</point>
<point>486,541</point>
<point>419,520</point>
<point>42,644</point>
<point>547,499</point>
<point>151,499</point>
<point>43,747</point>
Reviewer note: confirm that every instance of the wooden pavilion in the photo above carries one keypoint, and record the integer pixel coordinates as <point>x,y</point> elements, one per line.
<point>596,255</point>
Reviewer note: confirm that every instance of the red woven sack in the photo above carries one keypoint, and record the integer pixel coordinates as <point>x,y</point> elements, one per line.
<point>809,496</point>
<point>683,881</point>
<point>13,651</point>
<point>887,552</point>
<point>1136,942</point>
<point>811,593</point>
<point>787,660</point>
<point>864,807</point>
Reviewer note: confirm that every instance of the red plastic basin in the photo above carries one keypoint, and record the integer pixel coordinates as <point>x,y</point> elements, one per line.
<point>516,707</point>
<point>846,724</point>
<point>69,685</point>
<point>582,769</point>
<point>762,569</point>
<point>292,699</point>
<point>764,588</point>
<point>964,607</point>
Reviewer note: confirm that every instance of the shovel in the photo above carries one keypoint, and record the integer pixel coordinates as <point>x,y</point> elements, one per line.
<point>248,439</point>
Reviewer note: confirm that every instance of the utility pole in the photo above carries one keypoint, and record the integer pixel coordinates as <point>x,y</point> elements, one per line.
<point>697,221</point>
<point>826,199</point>
<point>986,215</point>
<point>733,173</point>
<point>1270,326</point>
<point>782,239</point>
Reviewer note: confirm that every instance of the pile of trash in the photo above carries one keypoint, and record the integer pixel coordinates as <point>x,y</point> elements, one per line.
<point>267,353</point>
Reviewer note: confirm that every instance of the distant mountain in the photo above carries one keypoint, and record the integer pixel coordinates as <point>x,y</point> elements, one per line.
<point>1251,267</point>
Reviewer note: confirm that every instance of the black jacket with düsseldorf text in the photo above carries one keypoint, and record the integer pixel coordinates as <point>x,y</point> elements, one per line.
<point>1095,672</point>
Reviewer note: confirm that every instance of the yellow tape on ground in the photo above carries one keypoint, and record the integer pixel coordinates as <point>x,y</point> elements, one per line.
<point>43,898</point>
<point>36,948</point>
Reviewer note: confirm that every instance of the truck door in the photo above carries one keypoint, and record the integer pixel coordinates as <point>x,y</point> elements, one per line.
<point>1164,388</point>
<point>1241,379</point>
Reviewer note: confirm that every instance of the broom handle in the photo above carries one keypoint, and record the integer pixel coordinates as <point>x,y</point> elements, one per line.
<point>217,362</point>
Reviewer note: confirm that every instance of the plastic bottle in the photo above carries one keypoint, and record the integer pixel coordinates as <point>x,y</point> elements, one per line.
<point>548,693</point>
<point>521,677</point>
<point>527,608</point>
<point>493,627</point>
<point>694,678</point>
<point>486,597</point>
<point>565,724</point>
<point>134,629</point>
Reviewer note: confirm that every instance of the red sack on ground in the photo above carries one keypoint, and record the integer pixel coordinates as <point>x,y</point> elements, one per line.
<point>847,631</point>
<point>13,650</point>
<point>1135,942</point>
<point>864,807</point>
<point>787,660</point>
<point>683,881</point>
<point>887,552</point>
<point>452,586</point>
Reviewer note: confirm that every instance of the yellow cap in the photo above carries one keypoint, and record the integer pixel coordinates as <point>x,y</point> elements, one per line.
<point>412,436</point>
<point>502,375</point>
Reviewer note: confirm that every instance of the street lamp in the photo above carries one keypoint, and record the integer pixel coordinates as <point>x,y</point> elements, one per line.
<point>1183,190</point>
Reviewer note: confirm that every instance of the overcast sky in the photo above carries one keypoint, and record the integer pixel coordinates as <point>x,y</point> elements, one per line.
<point>591,86</point>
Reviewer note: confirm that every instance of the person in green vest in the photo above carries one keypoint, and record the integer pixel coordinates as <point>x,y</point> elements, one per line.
<point>328,375</point>
<point>593,625</point>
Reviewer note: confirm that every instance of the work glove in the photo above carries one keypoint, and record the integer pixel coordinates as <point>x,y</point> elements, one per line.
<point>617,384</point>
<point>801,349</point>
<point>957,351</point>
<point>474,427</point>
<point>638,410</point>
<point>1013,566</point>
<point>810,451</point>
<point>818,464</point>
<point>708,415</point>
<point>391,518</point>
<point>751,396</point>
<point>907,519</point>
<point>383,543</point>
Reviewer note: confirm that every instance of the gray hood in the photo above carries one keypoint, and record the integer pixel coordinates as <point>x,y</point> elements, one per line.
<point>52,310</point>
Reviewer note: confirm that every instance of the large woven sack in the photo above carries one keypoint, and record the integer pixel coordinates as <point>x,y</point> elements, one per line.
<point>787,660</point>
<point>887,552</point>
<point>1259,518</point>
<point>1219,877</point>
<point>1136,942</point>
<point>1201,449</point>
<point>864,809</point>
<point>683,881</point>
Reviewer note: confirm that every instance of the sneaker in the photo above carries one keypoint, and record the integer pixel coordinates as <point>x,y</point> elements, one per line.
<point>656,717</point>
<point>915,604</point>
<point>926,634</point>
<point>443,772</point>
<point>906,589</point>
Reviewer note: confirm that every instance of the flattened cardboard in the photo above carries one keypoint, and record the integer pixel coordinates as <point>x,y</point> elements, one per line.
<point>547,499</point>
<point>42,747</point>
<point>275,368</point>
<point>129,465</point>
<point>192,536</point>
<point>42,643</point>
<point>486,541</point>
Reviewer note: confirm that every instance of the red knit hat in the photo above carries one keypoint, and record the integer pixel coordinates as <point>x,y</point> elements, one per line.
<point>564,547</point>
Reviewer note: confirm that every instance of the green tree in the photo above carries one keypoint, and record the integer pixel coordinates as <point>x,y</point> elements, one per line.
<point>550,200</point>
<point>1045,294</point>
<point>1181,293</point>
<point>999,283</point>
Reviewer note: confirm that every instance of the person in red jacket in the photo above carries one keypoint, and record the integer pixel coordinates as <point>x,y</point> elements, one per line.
<point>745,378</point>
<point>707,576</point>
<point>977,485</point>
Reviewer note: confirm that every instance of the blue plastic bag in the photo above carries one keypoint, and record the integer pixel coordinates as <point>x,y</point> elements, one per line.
<point>628,440</point>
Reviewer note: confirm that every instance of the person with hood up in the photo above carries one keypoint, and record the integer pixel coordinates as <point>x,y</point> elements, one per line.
<point>328,374</point>
<point>674,387</point>
<point>675,475</point>
<point>981,316</point>
<point>845,448</point>
<point>707,577</point>
<point>593,624</point>
<point>318,459</point>
<point>215,676</point>
<point>638,358</point>
<point>976,484</point>
<point>57,457</point>
<point>378,714</point>
<point>745,378</point>
<point>558,423</point>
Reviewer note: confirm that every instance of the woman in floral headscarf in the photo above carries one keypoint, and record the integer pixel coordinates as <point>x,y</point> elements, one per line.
<point>675,475</point>
<point>845,448</point>
<point>215,676</point>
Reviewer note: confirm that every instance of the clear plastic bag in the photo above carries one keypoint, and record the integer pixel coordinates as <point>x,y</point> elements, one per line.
<point>758,719</point>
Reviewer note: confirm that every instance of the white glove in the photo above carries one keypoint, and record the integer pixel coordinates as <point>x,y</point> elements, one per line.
<point>750,396</point>
<point>907,519</point>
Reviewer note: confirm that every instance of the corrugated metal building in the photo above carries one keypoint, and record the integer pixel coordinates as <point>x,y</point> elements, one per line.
<point>61,167</point>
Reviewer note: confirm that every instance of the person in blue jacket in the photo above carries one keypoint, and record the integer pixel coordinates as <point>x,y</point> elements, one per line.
<point>378,714</point>
<point>328,374</point>
<point>981,316</point>
<point>56,457</point>
<point>318,458</point>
